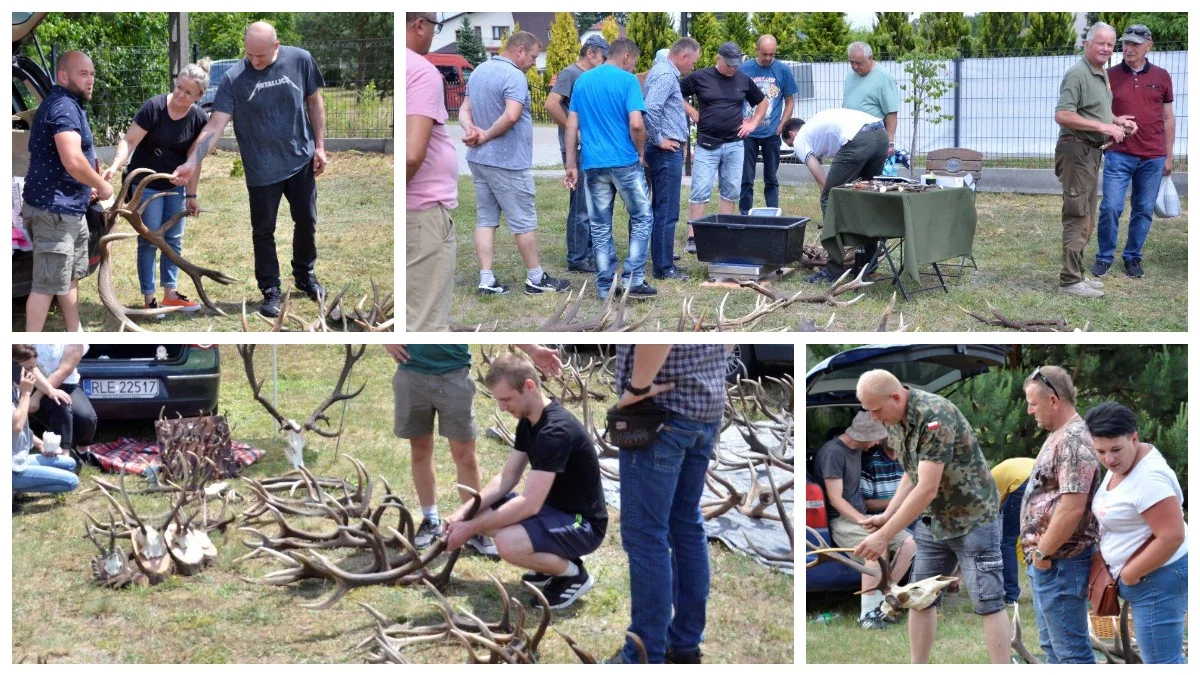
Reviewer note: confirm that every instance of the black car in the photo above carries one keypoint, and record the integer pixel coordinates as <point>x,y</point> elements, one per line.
<point>132,382</point>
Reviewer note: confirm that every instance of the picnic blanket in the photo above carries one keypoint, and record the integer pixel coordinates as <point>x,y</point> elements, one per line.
<point>134,456</point>
<point>732,528</point>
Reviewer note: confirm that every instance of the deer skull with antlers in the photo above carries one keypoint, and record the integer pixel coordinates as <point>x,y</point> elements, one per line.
<point>318,421</point>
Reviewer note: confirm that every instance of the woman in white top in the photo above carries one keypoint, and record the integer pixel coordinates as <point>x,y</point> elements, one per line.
<point>1139,498</point>
<point>56,365</point>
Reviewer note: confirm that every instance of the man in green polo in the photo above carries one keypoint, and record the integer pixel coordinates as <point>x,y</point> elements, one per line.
<point>1086,123</point>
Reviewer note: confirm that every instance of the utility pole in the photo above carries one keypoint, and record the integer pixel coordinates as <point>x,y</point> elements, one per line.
<point>177,32</point>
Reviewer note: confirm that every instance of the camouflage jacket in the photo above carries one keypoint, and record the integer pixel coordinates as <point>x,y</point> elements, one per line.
<point>935,430</point>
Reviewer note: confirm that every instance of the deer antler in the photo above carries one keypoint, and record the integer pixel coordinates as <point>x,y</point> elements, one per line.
<point>318,416</point>
<point>247,353</point>
<point>1031,326</point>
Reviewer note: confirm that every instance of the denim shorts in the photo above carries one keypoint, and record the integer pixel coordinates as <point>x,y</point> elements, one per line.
<point>725,162</point>
<point>504,190</point>
<point>566,535</point>
<point>976,552</point>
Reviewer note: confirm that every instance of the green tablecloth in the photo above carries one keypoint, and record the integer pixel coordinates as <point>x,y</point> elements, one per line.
<point>936,224</point>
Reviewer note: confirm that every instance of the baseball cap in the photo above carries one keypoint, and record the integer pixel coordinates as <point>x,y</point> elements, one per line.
<point>597,41</point>
<point>1137,33</point>
<point>731,52</point>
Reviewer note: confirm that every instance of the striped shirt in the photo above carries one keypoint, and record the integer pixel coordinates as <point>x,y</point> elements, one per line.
<point>698,372</point>
<point>665,116</point>
<point>880,475</point>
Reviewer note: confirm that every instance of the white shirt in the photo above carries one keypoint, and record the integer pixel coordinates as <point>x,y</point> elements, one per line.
<point>1123,528</point>
<point>826,132</point>
<point>50,356</point>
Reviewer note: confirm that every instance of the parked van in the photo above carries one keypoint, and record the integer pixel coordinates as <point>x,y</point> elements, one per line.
<point>455,70</point>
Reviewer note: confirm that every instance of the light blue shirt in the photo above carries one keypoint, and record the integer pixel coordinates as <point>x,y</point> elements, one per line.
<point>603,97</point>
<point>665,115</point>
<point>777,84</point>
<point>875,93</point>
<point>493,84</point>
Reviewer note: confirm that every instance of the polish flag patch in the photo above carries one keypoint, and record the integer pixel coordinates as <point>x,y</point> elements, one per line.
<point>932,426</point>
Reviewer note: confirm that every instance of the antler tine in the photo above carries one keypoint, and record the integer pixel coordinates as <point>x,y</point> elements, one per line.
<point>838,555</point>
<point>352,356</point>
<point>247,353</point>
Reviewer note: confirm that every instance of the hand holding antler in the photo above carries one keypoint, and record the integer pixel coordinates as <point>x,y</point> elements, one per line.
<point>873,547</point>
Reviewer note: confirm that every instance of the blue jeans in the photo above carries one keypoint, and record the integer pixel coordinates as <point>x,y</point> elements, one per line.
<point>1120,170</point>
<point>769,147</point>
<point>1158,603</point>
<point>603,185</point>
<point>723,166</point>
<point>158,212</point>
<point>46,474</point>
<point>1060,605</point>
<point>579,230</point>
<point>662,531</point>
<point>666,178</point>
<point>1010,531</point>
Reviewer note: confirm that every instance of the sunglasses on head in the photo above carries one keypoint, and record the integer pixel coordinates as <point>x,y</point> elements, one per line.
<point>1037,375</point>
<point>1140,32</point>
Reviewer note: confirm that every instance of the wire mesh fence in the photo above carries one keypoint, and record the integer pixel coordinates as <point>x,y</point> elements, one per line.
<point>359,86</point>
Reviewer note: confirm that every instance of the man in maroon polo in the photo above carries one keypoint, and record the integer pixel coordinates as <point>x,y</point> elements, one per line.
<point>1142,91</point>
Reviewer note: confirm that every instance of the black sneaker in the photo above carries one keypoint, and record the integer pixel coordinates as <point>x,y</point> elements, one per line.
<point>496,288</point>
<point>1100,268</point>
<point>270,303</point>
<point>672,274</point>
<point>642,291</point>
<point>561,592</point>
<point>682,657</point>
<point>691,246</point>
<point>548,284</point>
<point>872,621</point>
<point>311,287</point>
<point>1133,268</point>
<point>824,276</point>
<point>587,267</point>
<point>153,304</point>
<point>539,579</point>
<point>427,532</point>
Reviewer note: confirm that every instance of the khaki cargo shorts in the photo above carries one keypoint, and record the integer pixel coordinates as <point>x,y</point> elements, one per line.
<point>420,396</point>
<point>60,249</point>
<point>849,534</point>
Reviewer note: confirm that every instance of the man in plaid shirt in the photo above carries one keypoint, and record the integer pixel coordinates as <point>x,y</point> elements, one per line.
<point>662,529</point>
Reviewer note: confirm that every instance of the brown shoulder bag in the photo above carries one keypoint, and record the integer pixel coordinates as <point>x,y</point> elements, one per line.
<point>1102,588</point>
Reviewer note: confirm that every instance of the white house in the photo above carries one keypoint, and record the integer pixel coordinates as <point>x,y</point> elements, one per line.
<point>491,27</point>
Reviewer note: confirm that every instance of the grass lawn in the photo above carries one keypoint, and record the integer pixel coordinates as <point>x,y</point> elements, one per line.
<point>1018,246</point>
<point>355,243</point>
<point>217,617</point>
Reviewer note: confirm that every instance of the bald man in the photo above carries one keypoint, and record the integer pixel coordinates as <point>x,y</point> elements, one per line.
<point>280,129</point>
<point>775,80</point>
<point>948,486</point>
<point>61,183</point>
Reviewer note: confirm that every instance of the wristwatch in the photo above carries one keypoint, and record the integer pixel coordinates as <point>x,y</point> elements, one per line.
<point>637,391</point>
<point>1038,556</point>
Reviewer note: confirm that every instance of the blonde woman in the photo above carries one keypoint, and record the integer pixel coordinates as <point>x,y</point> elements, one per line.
<point>162,131</point>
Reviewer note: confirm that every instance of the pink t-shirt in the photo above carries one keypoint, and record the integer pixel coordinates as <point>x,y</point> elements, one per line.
<point>436,182</point>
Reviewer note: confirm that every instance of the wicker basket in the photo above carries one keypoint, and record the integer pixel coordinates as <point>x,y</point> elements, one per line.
<point>1106,627</point>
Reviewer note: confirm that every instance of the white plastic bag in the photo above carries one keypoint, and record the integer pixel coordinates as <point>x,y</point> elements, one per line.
<point>1167,204</point>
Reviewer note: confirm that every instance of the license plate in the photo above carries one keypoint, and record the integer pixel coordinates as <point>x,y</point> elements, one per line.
<point>120,388</point>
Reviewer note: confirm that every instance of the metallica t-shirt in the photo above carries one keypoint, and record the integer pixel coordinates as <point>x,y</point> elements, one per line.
<point>270,118</point>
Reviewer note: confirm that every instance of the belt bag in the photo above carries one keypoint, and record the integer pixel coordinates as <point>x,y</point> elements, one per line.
<point>1102,588</point>
<point>636,426</point>
<point>708,142</point>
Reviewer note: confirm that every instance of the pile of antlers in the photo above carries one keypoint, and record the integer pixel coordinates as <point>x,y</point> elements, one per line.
<point>378,317</point>
<point>130,206</point>
<point>770,302</point>
<point>318,422</point>
<point>184,440</point>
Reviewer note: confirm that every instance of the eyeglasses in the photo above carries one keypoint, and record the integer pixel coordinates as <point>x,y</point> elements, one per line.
<point>437,25</point>
<point>186,92</point>
<point>1037,375</point>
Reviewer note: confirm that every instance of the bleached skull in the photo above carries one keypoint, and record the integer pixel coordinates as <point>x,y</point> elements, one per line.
<point>295,447</point>
<point>917,595</point>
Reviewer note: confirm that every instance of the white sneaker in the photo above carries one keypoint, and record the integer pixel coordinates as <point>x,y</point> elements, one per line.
<point>1081,289</point>
<point>1094,283</point>
<point>484,546</point>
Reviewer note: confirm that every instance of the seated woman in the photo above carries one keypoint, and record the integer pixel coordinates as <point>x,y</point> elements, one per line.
<point>59,403</point>
<point>50,473</point>
<point>1140,501</point>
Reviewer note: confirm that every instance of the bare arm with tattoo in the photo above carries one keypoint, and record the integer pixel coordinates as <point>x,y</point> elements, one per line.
<point>205,142</point>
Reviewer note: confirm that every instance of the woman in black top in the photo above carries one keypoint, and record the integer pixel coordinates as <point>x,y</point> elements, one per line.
<point>159,138</point>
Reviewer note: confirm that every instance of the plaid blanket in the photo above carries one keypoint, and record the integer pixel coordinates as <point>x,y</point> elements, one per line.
<point>134,456</point>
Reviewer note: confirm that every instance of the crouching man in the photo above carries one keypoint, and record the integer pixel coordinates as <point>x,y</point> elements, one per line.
<point>561,516</point>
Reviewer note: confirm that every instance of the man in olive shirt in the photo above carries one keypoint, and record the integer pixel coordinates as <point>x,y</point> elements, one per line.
<point>1084,115</point>
<point>948,485</point>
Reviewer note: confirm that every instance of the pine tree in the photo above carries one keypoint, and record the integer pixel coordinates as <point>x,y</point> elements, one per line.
<point>735,27</point>
<point>783,26</point>
<point>470,45</point>
<point>1000,32</point>
<point>651,31</point>
<point>563,49</point>
<point>946,29</point>
<point>893,37</point>
<point>610,31</point>
<point>585,20</point>
<point>1118,20</point>
<point>706,29</point>
<point>1050,32</point>
<point>1170,28</point>
<point>826,35</point>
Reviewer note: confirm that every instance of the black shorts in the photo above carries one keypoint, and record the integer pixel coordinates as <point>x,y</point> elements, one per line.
<point>566,535</point>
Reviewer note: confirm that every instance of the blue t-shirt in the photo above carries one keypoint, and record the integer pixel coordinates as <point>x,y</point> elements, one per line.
<point>48,186</point>
<point>270,114</point>
<point>603,97</point>
<point>776,83</point>
<point>493,84</point>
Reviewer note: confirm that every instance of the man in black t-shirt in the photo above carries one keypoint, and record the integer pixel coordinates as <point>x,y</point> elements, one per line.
<point>561,516</point>
<point>721,89</point>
